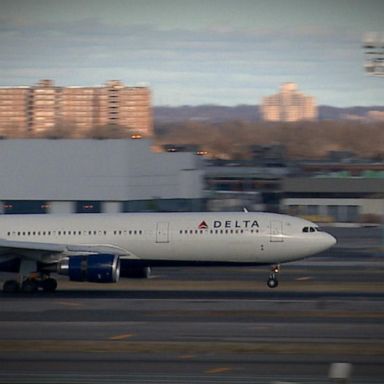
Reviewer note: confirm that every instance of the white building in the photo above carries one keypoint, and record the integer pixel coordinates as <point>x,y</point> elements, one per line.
<point>289,105</point>
<point>63,176</point>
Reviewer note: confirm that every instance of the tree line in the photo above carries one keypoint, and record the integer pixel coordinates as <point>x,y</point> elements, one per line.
<point>233,139</point>
<point>301,139</point>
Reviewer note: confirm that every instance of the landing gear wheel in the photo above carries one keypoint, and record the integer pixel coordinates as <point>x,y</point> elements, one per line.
<point>11,286</point>
<point>272,282</point>
<point>49,285</point>
<point>29,286</point>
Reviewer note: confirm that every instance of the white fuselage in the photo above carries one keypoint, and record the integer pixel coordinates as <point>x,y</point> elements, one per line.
<point>263,238</point>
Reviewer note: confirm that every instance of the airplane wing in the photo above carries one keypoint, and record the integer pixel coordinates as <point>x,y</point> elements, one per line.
<point>38,250</point>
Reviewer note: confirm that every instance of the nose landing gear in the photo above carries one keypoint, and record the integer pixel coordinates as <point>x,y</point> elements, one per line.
<point>272,281</point>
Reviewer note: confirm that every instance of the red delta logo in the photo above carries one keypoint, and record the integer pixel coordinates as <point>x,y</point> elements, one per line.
<point>203,225</point>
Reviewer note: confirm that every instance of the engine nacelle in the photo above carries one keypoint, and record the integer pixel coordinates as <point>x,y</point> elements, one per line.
<point>134,269</point>
<point>100,268</point>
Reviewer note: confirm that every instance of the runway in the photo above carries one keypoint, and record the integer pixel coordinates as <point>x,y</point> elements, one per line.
<point>199,325</point>
<point>92,340</point>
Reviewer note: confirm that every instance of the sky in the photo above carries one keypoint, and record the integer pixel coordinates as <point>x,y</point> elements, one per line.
<point>225,52</point>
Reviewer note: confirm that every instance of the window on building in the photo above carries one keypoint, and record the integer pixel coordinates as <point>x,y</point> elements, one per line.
<point>313,210</point>
<point>14,207</point>
<point>164,205</point>
<point>333,212</point>
<point>88,207</point>
<point>352,213</point>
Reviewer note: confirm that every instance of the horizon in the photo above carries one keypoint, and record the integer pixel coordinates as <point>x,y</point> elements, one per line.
<point>257,105</point>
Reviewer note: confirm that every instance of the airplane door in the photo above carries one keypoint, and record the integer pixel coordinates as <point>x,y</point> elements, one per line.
<point>162,233</point>
<point>276,231</point>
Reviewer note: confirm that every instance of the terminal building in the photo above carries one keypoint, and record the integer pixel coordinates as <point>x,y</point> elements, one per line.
<point>332,199</point>
<point>91,176</point>
<point>111,176</point>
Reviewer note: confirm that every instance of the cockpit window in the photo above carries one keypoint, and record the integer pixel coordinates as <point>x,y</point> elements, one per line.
<point>310,229</point>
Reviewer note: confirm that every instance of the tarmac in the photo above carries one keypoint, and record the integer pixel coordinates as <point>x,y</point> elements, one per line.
<point>206,325</point>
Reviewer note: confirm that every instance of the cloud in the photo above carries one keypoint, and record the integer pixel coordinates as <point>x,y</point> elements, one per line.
<point>213,62</point>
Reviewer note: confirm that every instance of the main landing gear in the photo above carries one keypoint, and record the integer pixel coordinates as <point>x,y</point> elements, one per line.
<point>30,281</point>
<point>272,281</point>
<point>30,285</point>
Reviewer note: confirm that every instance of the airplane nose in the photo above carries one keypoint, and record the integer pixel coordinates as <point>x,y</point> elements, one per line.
<point>332,240</point>
<point>322,242</point>
<point>328,240</point>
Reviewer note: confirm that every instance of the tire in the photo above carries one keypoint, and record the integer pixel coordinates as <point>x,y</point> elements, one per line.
<point>29,286</point>
<point>272,283</point>
<point>49,285</point>
<point>11,286</point>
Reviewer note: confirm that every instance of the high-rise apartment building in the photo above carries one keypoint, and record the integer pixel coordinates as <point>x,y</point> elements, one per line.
<point>124,106</point>
<point>13,109</point>
<point>289,105</point>
<point>43,107</point>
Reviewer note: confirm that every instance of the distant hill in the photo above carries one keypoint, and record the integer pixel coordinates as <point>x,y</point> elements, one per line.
<point>251,113</point>
<point>211,113</point>
<point>333,113</point>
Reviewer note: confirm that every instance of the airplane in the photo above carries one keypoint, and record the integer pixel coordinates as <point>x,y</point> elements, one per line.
<point>102,247</point>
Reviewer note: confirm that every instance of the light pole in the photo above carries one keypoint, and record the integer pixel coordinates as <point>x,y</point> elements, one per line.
<point>373,45</point>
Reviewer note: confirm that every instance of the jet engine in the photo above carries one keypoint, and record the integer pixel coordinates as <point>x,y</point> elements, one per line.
<point>100,268</point>
<point>135,269</point>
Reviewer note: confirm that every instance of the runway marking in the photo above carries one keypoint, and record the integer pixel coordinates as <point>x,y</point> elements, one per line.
<point>304,278</point>
<point>186,357</point>
<point>121,337</point>
<point>218,370</point>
